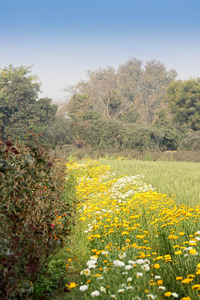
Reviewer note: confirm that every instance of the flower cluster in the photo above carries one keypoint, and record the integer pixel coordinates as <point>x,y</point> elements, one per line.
<point>143,245</point>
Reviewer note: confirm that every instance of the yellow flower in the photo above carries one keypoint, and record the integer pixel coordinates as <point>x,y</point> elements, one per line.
<point>179,278</point>
<point>157,266</point>
<point>186,298</point>
<point>172,237</point>
<point>192,251</point>
<point>125,233</point>
<point>142,255</point>
<point>158,258</point>
<point>196,287</point>
<point>160,282</point>
<point>168,294</point>
<point>187,280</point>
<point>140,236</point>
<point>88,281</point>
<point>178,252</point>
<point>71,285</point>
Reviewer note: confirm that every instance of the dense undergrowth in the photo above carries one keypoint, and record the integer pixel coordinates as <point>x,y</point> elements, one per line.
<point>35,217</point>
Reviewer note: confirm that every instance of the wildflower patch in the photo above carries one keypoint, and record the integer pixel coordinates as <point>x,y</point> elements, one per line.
<point>143,246</point>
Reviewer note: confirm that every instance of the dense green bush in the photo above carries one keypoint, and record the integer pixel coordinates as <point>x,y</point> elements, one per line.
<point>108,134</point>
<point>191,141</point>
<point>59,132</point>
<point>167,135</point>
<point>34,216</point>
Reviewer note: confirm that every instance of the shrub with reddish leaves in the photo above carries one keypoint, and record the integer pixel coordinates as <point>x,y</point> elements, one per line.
<point>34,215</point>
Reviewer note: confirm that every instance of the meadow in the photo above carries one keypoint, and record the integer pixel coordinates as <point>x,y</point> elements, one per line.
<point>137,234</point>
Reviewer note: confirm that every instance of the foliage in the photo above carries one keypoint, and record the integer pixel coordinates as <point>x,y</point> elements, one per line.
<point>45,114</point>
<point>59,132</point>
<point>33,215</point>
<point>184,101</point>
<point>20,110</point>
<point>133,92</point>
<point>169,136</point>
<point>52,278</point>
<point>120,109</point>
<point>112,134</point>
<point>108,134</point>
<point>80,107</point>
<point>191,141</point>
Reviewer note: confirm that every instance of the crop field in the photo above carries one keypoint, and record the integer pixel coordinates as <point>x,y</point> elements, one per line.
<point>137,234</point>
<point>180,179</point>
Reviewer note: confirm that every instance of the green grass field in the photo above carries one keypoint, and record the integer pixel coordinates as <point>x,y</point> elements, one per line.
<point>181,179</point>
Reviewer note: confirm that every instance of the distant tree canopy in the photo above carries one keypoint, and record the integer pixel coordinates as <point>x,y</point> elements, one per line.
<point>184,101</point>
<point>133,92</point>
<point>136,106</point>
<point>20,111</point>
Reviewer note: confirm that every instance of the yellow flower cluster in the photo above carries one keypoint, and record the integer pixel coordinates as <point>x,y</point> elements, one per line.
<point>138,235</point>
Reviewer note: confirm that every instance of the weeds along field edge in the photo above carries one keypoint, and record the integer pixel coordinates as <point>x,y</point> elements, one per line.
<point>135,242</point>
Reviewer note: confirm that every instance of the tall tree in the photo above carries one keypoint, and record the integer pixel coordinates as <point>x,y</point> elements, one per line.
<point>100,93</point>
<point>45,111</point>
<point>153,87</point>
<point>132,92</point>
<point>18,93</point>
<point>184,101</point>
<point>129,80</point>
<point>19,109</point>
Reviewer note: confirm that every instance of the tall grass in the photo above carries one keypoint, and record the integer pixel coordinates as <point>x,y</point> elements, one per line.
<point>181,179</point>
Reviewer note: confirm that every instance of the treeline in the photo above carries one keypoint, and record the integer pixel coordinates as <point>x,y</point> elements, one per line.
<point>137,106</point>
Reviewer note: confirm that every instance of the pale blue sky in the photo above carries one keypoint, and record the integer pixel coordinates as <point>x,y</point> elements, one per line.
<point>63,39</point>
